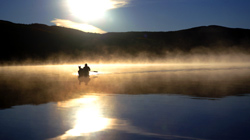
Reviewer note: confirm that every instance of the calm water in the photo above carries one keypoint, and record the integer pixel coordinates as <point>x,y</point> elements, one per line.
<point>148,102</point>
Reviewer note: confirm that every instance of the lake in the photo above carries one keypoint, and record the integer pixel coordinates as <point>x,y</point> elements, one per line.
<point>126,102</point>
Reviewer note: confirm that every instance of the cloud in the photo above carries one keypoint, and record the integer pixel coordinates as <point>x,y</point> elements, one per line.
<point>119,3</point>
<point>79,26</point>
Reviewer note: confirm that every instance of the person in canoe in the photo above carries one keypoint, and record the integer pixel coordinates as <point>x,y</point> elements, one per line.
<point>84,71</point>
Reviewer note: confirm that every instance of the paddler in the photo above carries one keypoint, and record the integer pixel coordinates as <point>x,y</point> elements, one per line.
<point>84,71</point>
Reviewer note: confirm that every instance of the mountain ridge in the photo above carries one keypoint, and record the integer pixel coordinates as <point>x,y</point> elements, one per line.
<point>42,42</point>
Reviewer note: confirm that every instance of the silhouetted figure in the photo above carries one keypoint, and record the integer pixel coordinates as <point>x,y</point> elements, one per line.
<point>84,71</point>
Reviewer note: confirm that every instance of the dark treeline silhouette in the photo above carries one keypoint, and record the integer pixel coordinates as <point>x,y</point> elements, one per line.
<point>41,42</point>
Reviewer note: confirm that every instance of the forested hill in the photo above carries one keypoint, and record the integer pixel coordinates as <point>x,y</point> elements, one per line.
<point>40,42</point>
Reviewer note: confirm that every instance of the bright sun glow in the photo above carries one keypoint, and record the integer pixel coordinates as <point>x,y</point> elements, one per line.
<point>89,9</point>
<point>88,120</point>
<point>88,116</point>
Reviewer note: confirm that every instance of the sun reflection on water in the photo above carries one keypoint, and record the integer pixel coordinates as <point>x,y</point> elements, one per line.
<point>88,116</point>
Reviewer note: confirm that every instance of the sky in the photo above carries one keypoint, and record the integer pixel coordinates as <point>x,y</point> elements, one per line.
<point>101,16</point>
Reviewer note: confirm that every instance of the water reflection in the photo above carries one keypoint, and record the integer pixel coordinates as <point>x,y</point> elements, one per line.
<point>133,117</point>
<point>89,118</point>
<point>87,114</point>
<point>153,117</point>
<point>84,79</point>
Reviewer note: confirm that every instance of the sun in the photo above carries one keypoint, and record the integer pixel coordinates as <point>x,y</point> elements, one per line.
<point>88,10</point>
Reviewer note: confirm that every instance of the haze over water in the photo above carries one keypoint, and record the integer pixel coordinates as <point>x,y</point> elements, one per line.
<point>170,101</point>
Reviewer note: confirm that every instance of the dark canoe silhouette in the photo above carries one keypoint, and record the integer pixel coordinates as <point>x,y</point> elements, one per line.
<point>83,72</point>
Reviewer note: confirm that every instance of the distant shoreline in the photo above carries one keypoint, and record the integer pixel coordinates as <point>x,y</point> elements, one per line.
<point>42,44</point>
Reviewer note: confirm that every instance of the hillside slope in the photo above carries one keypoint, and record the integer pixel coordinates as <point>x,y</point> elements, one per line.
<point>41,42</point>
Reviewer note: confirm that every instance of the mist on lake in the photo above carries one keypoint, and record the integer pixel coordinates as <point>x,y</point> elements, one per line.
<point>51,83</point>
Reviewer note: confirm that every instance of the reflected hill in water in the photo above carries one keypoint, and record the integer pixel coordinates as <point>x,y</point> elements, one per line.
<point>26,85</point>
<point>39,43</point>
